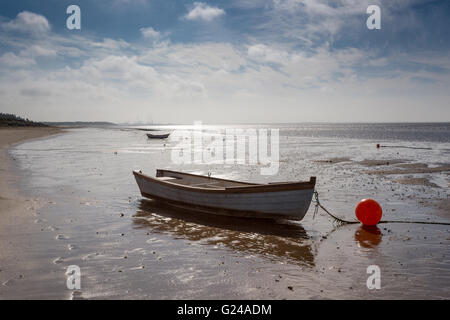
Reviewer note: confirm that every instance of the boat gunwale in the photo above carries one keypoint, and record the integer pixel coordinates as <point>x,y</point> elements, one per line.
<point>251,188</point>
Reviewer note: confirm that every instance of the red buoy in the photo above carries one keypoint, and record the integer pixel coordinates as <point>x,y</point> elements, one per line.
<point>368,212</point>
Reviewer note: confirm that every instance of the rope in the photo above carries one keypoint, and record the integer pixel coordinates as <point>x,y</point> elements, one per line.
<point>319,205</point>
<point>407,147</point>
<point>342,221</point>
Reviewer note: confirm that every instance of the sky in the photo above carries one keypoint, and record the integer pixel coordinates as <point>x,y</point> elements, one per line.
<point>235,61</point>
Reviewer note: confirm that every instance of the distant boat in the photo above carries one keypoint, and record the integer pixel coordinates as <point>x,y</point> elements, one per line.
<point>158,135</point>
<point>281,200</point>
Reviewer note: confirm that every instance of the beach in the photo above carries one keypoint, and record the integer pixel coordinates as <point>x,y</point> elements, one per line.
<point>17,211</point>
<point>70,199</point>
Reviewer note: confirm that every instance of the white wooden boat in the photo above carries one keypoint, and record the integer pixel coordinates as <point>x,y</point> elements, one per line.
<point>283,200</point>
<point>158,135</point>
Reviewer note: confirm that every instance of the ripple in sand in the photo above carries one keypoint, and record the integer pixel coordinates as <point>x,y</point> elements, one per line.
<point>90,256</point>
<point>58,260</point>
<point>6,283</point>
<point>136,250</point>
<point>333,160</point>
<point>76,295</point>
<point>153,240</point>
<point>417,181</point>
<point>137,268</point>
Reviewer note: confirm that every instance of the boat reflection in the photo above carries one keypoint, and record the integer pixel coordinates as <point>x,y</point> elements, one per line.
<point>268,238</point>
<point>368,236</point>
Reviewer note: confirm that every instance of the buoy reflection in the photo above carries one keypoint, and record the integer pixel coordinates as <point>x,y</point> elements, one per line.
<point>368,236</point>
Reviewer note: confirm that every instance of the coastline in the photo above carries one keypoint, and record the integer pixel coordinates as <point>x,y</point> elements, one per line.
<point>16,209</point>
<point>9,194</point>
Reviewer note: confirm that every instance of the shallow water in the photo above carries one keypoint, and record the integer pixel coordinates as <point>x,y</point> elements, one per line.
<point>129,247</point>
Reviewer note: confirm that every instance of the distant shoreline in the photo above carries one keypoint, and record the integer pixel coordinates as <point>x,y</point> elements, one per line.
<point>80,124</point>
<point>12,120</point>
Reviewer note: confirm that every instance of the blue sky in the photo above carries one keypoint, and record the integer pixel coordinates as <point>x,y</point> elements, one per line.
<point>226,61</point>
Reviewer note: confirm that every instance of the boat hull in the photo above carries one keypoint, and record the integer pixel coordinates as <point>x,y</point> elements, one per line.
<point>158,136</point>
<point>253,201</point>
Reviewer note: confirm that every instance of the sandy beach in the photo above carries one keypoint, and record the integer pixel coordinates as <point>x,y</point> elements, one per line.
<point>10,200</point>
<point>71,199</point>
<point>17,211</point>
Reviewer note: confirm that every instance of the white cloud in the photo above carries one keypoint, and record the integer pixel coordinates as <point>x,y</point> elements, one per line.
<point>34,92</point>
<point>221,81</point>
<point>125,74</point>
<point>321,20</point>
<point>112,79</point>
<point>203,57</point>
<point>263,53</point>
<point>10,59</point>
<point>109,44</point>
<point>28,22</point>
<point>38,51</point>
<point>156,37</point>
<point>150,33</point>
<point>201,11</point>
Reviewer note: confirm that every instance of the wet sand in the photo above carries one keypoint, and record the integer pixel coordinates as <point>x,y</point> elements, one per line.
<point>413,169</point>
<point>17,211</point>
<point>10,200</point>
<point>403,172</point>
<point>88,212</point>
<point>417,181</point>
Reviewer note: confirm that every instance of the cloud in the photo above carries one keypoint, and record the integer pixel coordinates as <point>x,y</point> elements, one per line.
<point>259,77</point>
<point>324,21</point>
<point>156,37</point>
<point>201,11</point>
<point>150,33</point>
<point>38,51</point>
<point>34,93</point>
<point>263,53</point>
<point>126,75</point>
<point>181,81</point>
<point>28,22</point>
<point>108,44</point>
<point>130,2</point>
<point>197,58</point>
<point>10,59</point>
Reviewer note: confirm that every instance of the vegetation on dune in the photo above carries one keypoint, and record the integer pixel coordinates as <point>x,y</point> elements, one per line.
<point>11,120</point>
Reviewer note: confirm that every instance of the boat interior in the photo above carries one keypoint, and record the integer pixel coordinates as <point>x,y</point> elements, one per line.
<point>193,180</point>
